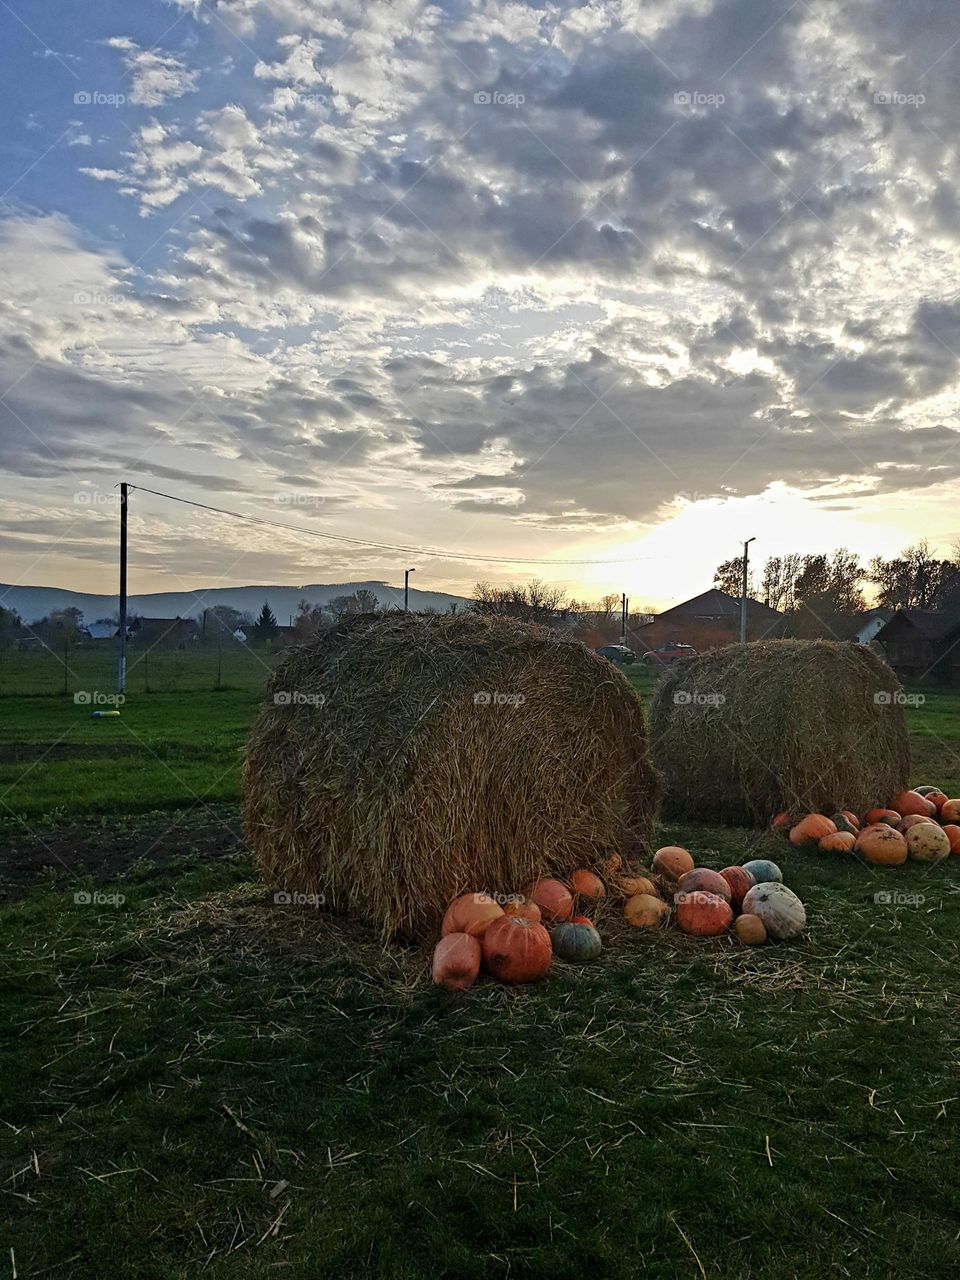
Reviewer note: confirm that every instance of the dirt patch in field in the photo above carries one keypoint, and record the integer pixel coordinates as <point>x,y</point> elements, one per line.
<point>105,848</point>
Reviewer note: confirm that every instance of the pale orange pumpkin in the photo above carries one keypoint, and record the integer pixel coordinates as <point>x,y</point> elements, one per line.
<point>587,885</point>
<point>470,913</point>
<point>882,845</point>
<point>612,864</point>
<point>750,929</point>
<point>646,911</point>
<point>629,885</point>
<point>456,961</point>
<point>837,842</point>
<point>911,820</point>
<point>554,900</point>
<point>811,829</point>
<point>672,861</point>
<point>522,907</point>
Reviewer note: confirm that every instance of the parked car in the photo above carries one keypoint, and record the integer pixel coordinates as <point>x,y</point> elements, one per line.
<point>617,653</point>
<point>669,654</point>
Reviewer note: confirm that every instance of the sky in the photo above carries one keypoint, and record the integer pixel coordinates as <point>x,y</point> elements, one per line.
<point>623,283</point>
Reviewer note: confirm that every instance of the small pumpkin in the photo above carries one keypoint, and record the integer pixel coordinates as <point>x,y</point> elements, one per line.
<point>851,818</point>
<point>950,811</point>
<point>672,861</point>
<point>926,842</point>
<point>612,864</point>
<point>782,823</point>
<point>702,880</point>
<point>763,870</point>
<point>554,900</point>
<point>953,835</point>
<point>516,949</point>
<point>845,822</point>
<point>577,943</point>
<point>705,914</point>
<point>587,885</point>
<point>890,816</point>
<point>933,794</point>
<point>646,911</point>
<point>783,914</point>
<point>582,920</point>
<point>912,802</point>
<point>470,913</point>
<point>739,881</point>
<point>456,961</point>
<point>911,820</point>
<point>882,845</point>
<point>630,885</point>
<point>811,829</point>
<point>839,842</point>
<point>750,929</point>
<point>520,906</point>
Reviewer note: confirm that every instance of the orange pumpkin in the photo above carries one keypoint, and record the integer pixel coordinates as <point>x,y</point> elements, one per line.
<point>851,818</point>
<point>934,795</point>
<point>645,911</point>
<point>782,823</point>
<point>889,816</point>
<point>913,802</point>
<point>882,845</point>
<point>554,900</point>
<point>583,920</point>
<point>630,885</point>
<point>911,820</point>
<point>516,949</point>
<point>456,961</point>
<point>587,885</point>
<point>740,882</point>
<point>837,842</point>
<point>522,907</point>
<point>702,880</point>
<point>613,864</point>
<point>750,929</point>
<point>953,835</point>
<point>811,829</point>
<point>672,861</point>
<point>705,914</point>
<point>950,811</point>
<point>470,913</point>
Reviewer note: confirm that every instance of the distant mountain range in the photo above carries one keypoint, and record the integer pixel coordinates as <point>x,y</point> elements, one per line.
<point>32,603</point>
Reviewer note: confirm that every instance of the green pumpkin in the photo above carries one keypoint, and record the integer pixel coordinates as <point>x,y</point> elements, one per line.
<point>576,942</point>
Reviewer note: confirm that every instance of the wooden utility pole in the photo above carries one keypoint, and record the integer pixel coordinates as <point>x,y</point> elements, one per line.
<point>122,662</point>
<point>624,607</point>
<point>743,592</point>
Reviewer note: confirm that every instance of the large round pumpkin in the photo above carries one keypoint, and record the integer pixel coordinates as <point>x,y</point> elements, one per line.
<point>811,829</point>
<point>470,913</point>
<point>839,842</point>
<point>882,845</point>
<point>456,961</point>
<point>953,835</point>
<point>912,802</point>
<point>706,914</point>
<point>703,880</point>
<point>520,906</point>
<point>646,911</point>
<point>781,911</point>
<point>576,942</point>
<point>926,842</point>
<point>516,949</point>
<point>950,811</point>
<point>629,885</point>
<point>763,870</point>
<point>890,816</point>
<point>750,930</point>
<point>672,861</point>
<point>554,900</point>
<point>587,885</point>
<point>739,881</point>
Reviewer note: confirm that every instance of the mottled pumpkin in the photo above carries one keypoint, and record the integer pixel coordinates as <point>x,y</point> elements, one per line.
<point>763,870</point>
<point>516,949</point>
<point>881,845</point>
<point>522,907</point>
<point>845,822</point>
<point>672,861</point>
<point>470,913</point>
<point>612,864</point>
<point>702,880</point>
<point>927,842</point>
<point>750,930</point>
<point>783,914</point>
<point>456,961</point>
<point>705,914</point>
<point>576,943</point>
<point>936,797</point>
<point>646,911</point>
<point>739,881</point>
<point>890,816</point>
<point>629,885</point>
<point>911,820</point>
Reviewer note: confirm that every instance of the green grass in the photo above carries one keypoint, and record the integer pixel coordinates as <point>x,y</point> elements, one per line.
<point>197,1081</point>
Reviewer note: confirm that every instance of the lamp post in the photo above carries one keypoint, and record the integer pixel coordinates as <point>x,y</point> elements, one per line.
<point>406,589</point>
<point>743,592</point>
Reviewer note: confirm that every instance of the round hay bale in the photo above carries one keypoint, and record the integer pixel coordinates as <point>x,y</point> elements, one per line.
<point>402,760</point>
<point>744,732</point>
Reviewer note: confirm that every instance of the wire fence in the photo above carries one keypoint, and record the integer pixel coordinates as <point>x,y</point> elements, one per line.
<point>93,670</point>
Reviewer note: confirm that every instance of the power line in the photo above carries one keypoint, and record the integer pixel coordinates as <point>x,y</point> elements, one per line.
<point>363,542</point>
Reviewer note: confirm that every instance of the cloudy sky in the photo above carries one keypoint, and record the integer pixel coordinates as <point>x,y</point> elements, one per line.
<point>614,281</point>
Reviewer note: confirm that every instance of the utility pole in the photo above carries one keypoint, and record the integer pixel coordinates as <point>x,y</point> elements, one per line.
<point>122,661</point>
<point>743,592</point>
<point>624,606</point>
<point>406,589</point>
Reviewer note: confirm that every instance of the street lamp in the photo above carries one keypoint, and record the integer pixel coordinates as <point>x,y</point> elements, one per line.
<point>743,593</point>
<point>406,589</point>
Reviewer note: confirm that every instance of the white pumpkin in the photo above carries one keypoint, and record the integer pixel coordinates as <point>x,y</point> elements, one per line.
<point>779,908</point>
<point>927,846</point>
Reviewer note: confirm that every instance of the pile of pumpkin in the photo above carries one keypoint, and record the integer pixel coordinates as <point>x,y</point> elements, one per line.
<point>922,825</point>
<point>517,941</point>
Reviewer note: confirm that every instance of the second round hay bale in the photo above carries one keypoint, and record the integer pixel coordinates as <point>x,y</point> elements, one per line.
<point>745,732</point>
<point>402,760</point>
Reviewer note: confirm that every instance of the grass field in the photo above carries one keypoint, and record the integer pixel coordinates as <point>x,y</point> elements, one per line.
<point>200,1082</point>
